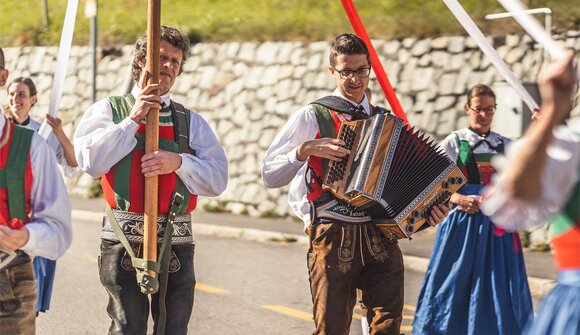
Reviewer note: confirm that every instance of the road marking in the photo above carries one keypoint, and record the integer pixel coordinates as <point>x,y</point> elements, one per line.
<point>410,307</point>
<point>289,311</point>
<point>307,316</point>
<point>406,328</point>
<point>359,316</point>
<point>210,289</point>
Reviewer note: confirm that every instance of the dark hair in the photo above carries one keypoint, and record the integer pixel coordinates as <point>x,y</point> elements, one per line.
<point>171,35</point>
<point>348,44</point>
<point>26,81</point>
<point>479,90</point>
<point>2,64</point>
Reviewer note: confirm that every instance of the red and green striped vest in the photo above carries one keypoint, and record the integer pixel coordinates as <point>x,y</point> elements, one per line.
<point>124,184</point>
<point>565,230</point>
<point>15,174</point>
<point>328,125</point>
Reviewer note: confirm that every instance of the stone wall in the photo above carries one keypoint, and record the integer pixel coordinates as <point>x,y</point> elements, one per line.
<point>247,91</point>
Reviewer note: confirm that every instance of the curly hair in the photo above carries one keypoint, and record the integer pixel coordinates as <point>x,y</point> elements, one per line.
<point>169,34</point>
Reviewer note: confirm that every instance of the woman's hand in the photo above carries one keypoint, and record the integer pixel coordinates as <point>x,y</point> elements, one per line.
<point>465,203</point>
<point>55,123</point>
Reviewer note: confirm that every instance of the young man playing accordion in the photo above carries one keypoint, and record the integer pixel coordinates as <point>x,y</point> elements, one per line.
<point>346,251</point>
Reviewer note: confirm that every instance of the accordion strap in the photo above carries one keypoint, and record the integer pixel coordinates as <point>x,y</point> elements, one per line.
<point>339,104</point>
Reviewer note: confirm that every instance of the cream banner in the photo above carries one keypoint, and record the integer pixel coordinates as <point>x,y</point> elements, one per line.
<point>61,64</point>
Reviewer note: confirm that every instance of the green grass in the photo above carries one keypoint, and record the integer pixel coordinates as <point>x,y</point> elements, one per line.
<point>120,22</point>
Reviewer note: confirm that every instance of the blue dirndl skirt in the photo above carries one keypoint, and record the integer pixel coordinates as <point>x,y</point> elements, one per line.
<point>559,312</point>
<point>44,270</point>
<point>476,282</point>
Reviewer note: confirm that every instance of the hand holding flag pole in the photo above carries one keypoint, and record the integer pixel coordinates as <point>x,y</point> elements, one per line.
<point>152,131</point>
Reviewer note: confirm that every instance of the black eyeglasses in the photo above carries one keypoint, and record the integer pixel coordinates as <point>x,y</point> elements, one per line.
<point>487,110</point>
<point>347,74</point>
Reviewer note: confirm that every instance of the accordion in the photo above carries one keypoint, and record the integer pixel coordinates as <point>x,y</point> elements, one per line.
<point>395,173</point>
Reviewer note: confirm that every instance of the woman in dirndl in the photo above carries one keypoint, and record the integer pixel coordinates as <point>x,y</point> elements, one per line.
<point>476,282</point>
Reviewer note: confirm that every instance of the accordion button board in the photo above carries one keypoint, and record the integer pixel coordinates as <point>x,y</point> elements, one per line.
<point>394,172</point>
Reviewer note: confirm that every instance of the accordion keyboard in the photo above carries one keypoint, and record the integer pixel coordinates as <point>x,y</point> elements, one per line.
<point>336,170</point>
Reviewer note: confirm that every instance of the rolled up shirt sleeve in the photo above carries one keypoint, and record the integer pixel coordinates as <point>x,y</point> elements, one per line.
<point>206,171</point>
<point>50,230</point>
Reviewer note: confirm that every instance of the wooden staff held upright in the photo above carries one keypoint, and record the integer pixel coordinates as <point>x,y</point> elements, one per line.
<point>152,131</point>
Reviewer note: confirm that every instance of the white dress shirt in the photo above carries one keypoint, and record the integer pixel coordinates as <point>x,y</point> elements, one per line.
<point>50,230</point>
<point>280,165</point>
<point>100,144</point>
<point>559,176</point>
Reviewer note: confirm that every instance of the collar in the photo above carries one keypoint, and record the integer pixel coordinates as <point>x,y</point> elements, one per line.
<point>25,122</point>
<point>166,98</point>
<point>364,103</point>
<point>484,135</point>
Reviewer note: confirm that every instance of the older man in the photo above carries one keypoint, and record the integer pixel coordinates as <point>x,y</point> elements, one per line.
<point>109,143</point>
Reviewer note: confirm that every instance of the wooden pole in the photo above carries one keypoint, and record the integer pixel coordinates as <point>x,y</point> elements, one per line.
<point>152,130</point>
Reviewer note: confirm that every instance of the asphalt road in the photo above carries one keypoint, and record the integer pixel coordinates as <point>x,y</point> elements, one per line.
<point>244,287</point>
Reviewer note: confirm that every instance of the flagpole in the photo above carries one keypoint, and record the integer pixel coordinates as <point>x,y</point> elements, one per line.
<point>152,131</point>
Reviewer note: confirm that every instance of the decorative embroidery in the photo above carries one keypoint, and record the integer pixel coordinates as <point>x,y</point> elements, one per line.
<point>346,248</point>
<point>375,244</point>
<point>174,263</point>
<point>334,211</point>
<point>133,227</point>
<point>126,263</point>
<point>344,267</point>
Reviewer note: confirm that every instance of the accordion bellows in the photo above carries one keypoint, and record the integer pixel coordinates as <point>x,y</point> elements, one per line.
<point>394,172</point>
